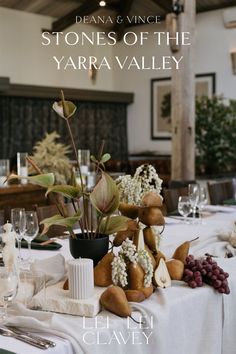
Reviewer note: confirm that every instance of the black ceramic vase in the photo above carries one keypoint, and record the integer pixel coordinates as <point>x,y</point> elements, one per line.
<point>94,249</point>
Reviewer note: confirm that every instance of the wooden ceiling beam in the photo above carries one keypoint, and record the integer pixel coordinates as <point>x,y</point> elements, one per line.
<point>230,3</point>
<point>87,8</point>
<point>125,7</point>
<point>164,4</point>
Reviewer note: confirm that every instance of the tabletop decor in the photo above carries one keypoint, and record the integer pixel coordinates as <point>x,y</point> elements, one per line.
<point>103,199</point>
<point>80,274</point>
<point>132,269</point>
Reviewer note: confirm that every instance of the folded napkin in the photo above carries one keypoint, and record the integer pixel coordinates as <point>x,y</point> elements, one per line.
<point>230,201</point>
<point>53,268</point>
<point>48,271</point>
<point>36,244</point>
<point>56,299</point>
<point>4,351</point>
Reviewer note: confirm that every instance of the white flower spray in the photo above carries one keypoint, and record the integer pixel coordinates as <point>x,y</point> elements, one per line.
<point>128,254</point>
<point>133,189</point>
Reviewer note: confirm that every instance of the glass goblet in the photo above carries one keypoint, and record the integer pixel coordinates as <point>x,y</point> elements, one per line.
<point>184,207</point>
<point>193,193</point>
<point>9,282</point>
<point>31,230</point>
<point>18,220</point>
<point>202,200</point>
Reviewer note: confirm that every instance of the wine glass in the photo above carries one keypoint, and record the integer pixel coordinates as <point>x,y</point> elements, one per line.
<point>9,282</point>
<point>184,207</point>
<point>202,200</point>
<point>193,193</point>
<point>31,230</point>
<point>18,220</point>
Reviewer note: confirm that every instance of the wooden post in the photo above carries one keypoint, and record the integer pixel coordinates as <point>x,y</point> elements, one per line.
<point>183,101</point>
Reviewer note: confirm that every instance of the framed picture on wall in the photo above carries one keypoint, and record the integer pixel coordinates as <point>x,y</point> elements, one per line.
<point>161,102</point>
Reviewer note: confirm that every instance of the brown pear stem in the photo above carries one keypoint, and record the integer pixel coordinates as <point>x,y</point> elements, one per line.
<point>194,239</point>
<point>211,255</point>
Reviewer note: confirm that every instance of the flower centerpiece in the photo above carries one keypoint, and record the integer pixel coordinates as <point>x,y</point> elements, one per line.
<point>133,267</point>
<point>141,200</point>
<point>133,189</point>
<point>102,201</point>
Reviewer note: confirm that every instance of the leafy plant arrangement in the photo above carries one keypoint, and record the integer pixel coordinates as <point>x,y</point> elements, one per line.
<point>104,198</point>
<point>52,156</point>
<point>215,135</point>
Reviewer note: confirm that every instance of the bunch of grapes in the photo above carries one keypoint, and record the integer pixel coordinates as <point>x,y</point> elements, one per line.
<point>206,270</point>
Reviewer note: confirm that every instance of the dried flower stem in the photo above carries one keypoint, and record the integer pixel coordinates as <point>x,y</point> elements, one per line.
<point>80,176</point>
<point>100,154</point>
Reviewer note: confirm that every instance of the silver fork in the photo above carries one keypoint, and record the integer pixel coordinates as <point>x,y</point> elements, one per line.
<point>31,335</point>
<point>8,333</point>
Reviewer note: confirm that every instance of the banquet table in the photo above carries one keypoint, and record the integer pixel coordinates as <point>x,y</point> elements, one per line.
<point>177,320</point>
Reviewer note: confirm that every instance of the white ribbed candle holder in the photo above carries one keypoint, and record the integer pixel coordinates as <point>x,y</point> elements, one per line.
<point>81,278</point>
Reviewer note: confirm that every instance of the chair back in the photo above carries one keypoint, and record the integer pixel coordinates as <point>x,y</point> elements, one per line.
<point>48,211</point>
<point>220,192</point>
<point>175,184</point>
<point>171,197</point>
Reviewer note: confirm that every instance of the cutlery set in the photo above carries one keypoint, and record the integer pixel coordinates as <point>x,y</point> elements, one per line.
<point>27,337</point>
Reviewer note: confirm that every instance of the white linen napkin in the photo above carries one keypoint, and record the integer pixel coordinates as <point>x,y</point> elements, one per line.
<point>53,268</point>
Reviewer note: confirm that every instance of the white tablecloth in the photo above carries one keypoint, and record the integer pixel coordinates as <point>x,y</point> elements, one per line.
<point>180,320</point>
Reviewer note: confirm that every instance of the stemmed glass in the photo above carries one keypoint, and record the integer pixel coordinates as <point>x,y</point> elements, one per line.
<point>18,220</point>
<point>202,200</point>
<point>9,282</point>
<point>31,230</point>
<point>193,193</point>
<point>184,207</point>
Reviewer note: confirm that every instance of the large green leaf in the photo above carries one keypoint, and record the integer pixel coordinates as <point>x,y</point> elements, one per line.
<point>44,180</point>
<point>113,224</point>
<point>105,196</point>
<point>61,221</point>
<point>65,110</point>
<point>65,190</point>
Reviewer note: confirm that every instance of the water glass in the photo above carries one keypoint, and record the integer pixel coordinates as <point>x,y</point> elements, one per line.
<point>184,207</point>
<point>9,282</point>
<point>31,230</point>
<point>202,200</point>
<point>84,160</point>
<point>22,166</point>
<point>18,220</point>
<point>4,172</point>
<point>193,193</point>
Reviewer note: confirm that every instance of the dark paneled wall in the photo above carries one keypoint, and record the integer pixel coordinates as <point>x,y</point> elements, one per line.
<point>24,121</point>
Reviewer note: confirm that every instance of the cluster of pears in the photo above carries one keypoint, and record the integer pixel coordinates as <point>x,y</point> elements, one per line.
<point>115,298</point>
<point>149,214</point>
